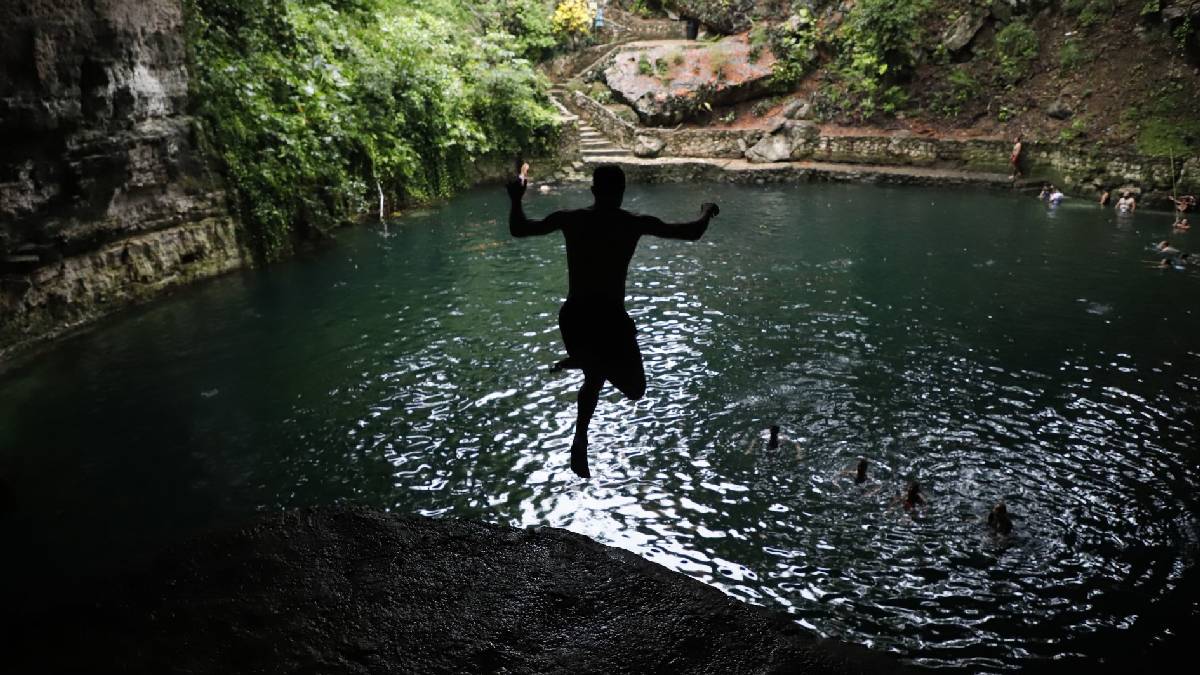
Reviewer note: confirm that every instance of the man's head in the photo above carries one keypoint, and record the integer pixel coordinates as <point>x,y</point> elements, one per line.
<point>608,186</point>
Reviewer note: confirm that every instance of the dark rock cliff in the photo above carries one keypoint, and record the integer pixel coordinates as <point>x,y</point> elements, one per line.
<point>103,197</point>
<point>353,591</point>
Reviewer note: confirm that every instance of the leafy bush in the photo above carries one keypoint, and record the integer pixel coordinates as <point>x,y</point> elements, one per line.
<point>794,44</point>
<point>644,66</point>
<point>572,18</point>
<point>877,50</point>
<point>1092,12</point>
<point>1073,54</point>
<point>1016,49</point>
<point>961,89</point>
<point>311,108</point>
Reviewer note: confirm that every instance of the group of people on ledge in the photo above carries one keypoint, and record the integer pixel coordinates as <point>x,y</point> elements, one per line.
<point>910,500</point>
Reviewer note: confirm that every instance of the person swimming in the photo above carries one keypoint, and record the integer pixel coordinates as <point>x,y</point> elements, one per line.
<point>1056,196</point>
<point>1126,204</point>
<point>860,472</point>
<point>1164,247</point>
<point>774,440</point>
<point>1182,225</point>
<point>1045,193</point>
<point>998,519</point>
<point>912,498</point>
<point>1105,197</point>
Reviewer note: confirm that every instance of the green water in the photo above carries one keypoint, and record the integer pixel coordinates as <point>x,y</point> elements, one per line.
<point>973,341</point>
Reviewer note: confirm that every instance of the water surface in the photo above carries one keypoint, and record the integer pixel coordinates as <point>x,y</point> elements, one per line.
<point>973,341</point>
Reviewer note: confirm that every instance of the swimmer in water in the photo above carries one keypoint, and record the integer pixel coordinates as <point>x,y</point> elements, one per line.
<point>1056,196</point>
<point>1105,197</point>
<point>860,473</point>
<point>1183,225</point>
<point>998,519</point>
<point>773,441</point>
<point>912,498</point>
<point>1164,247</point>
<point>1126,204</point>
<point>1045,193</point>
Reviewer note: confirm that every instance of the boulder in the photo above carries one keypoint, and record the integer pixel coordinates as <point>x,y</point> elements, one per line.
<point>648,146</point>
<point>723,16</point>
<point>963,30</point>
<point>1059,109</point>
<point>802,130</point>
<point>773,148</point>
<point>670,83</point>
<point>623,112</point>
<point>798,109</point>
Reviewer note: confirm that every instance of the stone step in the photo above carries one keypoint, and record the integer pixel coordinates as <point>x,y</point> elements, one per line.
<point>615,152</point>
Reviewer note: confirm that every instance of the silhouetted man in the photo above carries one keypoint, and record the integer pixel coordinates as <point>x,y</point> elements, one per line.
<point>599,336</point>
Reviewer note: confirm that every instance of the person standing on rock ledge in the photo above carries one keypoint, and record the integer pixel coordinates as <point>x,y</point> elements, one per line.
<point>600,338</point>
<point>1015,158</point>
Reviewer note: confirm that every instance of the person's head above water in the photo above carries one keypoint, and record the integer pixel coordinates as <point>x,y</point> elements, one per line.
<point>861,474</point>
<point>608,186</point>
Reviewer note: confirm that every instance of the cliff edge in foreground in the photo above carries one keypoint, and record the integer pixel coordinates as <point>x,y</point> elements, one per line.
<point>339,591</point>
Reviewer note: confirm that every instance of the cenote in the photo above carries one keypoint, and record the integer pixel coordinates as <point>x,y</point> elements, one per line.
<point>973,341</point>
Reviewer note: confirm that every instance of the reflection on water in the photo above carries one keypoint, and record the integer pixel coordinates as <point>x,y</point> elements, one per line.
<point>961,339</point>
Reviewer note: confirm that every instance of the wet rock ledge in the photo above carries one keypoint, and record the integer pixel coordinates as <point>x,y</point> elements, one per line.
<point>355,591</point>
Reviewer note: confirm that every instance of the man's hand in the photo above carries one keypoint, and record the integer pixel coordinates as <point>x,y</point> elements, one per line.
<point>710,210</point>
<point>516,189</point>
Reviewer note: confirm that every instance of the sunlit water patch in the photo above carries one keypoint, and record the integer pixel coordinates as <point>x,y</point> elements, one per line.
<point>970,341</point>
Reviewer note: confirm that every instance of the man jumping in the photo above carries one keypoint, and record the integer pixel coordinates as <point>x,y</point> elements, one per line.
<point>600,338</point>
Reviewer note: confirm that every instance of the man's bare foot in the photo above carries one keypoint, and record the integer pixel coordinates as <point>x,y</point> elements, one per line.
<point>566,364</point>
<point>579,463</point>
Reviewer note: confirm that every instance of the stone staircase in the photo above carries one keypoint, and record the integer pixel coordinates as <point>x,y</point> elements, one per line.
<point>596,148</point>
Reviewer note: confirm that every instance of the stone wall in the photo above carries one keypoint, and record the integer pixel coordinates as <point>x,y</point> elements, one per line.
<point>56,298</point>
<point>96,149</point>
<point>1078,170</point>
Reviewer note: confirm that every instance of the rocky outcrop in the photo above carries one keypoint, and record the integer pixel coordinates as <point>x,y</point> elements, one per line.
<point>671,82</point>
<point>351,591</point>
<point>723,16</point>
<point>97,149</point>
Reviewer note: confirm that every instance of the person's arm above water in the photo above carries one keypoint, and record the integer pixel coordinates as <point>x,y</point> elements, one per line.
<point>520,225</point>
<point>690,231</point>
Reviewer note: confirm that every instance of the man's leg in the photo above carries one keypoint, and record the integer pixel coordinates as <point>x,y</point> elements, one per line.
<point>589,396</point>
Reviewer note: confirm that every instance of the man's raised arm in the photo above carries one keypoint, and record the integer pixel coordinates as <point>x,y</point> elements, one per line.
<point>519,225</point>
<point>690,231</point>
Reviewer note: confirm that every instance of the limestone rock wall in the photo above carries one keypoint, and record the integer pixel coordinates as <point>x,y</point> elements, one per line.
<point>96,148</point>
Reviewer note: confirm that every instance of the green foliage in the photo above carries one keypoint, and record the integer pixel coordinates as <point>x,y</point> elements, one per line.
<point>794,44</point>
<point>877,44</point>
<point>1091,12</point>
<point>310,108</point>
<point>1151,7</point>
<point>676,57</point>
<point>1016,50</point>
<point>961,89</point>
<point>1166,123</point>
<point>528,21</point>
<point>644,66</point>
<point>662,67</point>
<point>1075,132</point>
<point>1074,54</point>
